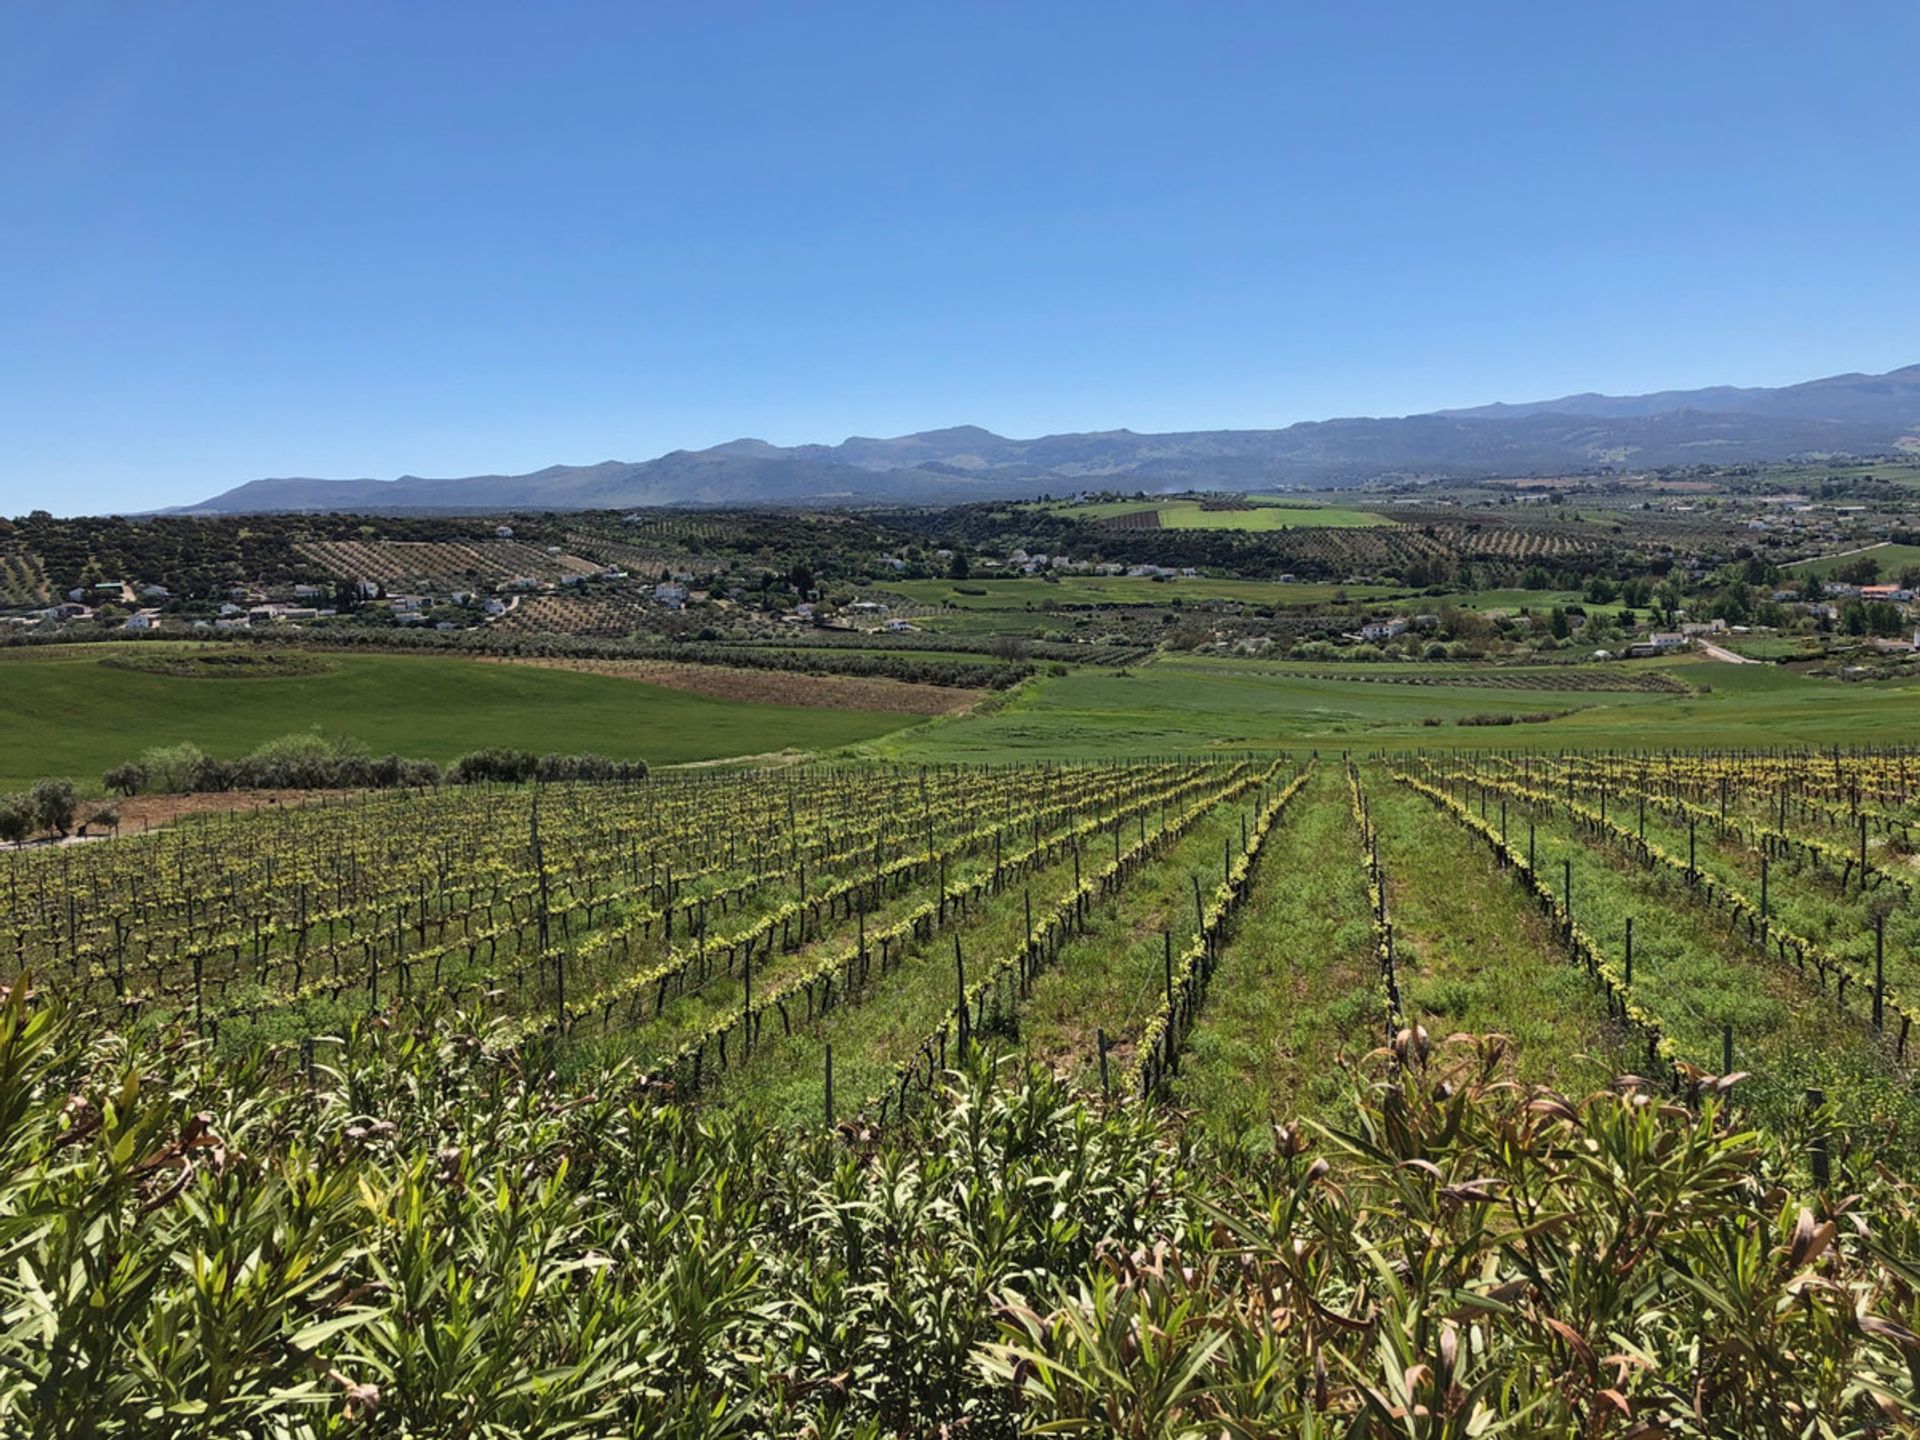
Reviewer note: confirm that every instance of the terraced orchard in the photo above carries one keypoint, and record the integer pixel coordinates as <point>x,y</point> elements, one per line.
<point>1242,1095</point>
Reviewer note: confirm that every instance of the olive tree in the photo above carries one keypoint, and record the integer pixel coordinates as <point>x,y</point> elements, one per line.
<point>54,803</point>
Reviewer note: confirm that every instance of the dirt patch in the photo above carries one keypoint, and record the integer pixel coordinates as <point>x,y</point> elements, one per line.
<point>770,687</point>
<point>150,812</point>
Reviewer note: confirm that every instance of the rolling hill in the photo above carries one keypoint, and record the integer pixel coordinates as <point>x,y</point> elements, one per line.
<point>1842,414</point>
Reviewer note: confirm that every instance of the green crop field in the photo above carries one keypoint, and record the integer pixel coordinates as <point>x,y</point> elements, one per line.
<point>1196,704</point>
<point>67,712</point>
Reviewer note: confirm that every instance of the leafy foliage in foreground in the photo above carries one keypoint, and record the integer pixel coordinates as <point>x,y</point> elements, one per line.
<point>419,1237</point>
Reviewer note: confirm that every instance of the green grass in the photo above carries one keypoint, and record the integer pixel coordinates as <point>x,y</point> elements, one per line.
<point>63,712</point>
<point>1893,559</point>
<point>1474,955</point>
<point>1296,985</point>
<point>1113,977</point>
<point>1691,973</point>
<point>1179,704</point>
<point>1770,647</point>
<point>1187,515</point>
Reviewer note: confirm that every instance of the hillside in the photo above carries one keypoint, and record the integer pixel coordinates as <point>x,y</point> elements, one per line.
<point>1844,414</point>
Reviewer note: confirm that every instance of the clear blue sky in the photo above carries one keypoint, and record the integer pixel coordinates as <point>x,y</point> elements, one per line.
<point>373,239</point>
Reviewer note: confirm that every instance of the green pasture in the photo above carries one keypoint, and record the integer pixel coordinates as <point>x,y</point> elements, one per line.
<point>64,712</point>
<point>1892,559</point>
<point>1537,601</point>
<point>1192,704</point>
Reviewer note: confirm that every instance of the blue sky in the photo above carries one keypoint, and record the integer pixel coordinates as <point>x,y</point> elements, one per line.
<point>375,239</point>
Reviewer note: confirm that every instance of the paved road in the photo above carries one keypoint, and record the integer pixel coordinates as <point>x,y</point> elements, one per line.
<point>1720,653</point>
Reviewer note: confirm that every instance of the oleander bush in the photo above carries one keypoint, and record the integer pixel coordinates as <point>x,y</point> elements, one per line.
<point>416,1230</point>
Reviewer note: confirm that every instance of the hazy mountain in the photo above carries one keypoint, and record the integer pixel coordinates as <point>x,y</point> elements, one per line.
<point>1843,414</point>
<point>1894,397</point>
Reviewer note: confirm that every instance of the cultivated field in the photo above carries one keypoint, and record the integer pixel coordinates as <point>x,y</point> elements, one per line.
<point>70,711</point>
<point>440,563</point>
<point>608,1109</point>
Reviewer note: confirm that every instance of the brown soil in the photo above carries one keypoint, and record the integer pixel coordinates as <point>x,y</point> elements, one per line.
<point>771,687</point>
<point>149,812</point>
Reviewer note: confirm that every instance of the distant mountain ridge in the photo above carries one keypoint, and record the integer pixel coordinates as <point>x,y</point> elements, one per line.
<point>1841,414</point>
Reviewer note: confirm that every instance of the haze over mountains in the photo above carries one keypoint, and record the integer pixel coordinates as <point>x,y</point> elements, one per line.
<point>1842,414</point>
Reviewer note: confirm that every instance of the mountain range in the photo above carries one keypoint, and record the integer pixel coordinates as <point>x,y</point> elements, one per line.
<point>1864,415</point>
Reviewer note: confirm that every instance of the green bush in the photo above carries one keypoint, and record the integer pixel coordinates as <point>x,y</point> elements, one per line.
<point>427,1234</point>
<point>170,768</point>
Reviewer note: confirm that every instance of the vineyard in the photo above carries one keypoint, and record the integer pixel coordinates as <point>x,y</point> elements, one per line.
<point>1131,520</point>
<point>441,563</point>
<point>1248,1095</point>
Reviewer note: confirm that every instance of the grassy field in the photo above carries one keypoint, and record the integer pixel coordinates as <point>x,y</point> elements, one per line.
<point>64,712</point>
<point>1195,704</point>
<point>1892,559</point>
<point>1536,601</point>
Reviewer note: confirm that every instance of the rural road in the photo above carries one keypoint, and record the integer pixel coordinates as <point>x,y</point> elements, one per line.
<point>1720,653</point>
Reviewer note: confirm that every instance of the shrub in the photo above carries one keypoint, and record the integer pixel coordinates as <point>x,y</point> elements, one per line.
<point>588,767</point>
<point>169,768</point>
<point>512,767</point>
<point>492,765</point>
<point>306,760</point>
